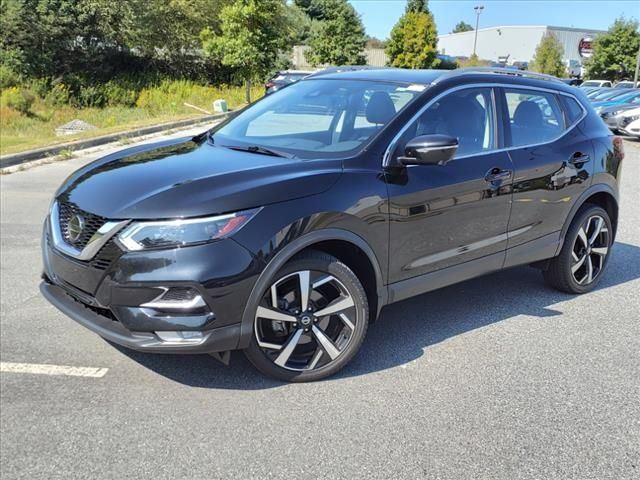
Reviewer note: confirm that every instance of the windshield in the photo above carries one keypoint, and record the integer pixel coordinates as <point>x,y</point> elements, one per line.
<point>318,117</point>
<point>591,84</point>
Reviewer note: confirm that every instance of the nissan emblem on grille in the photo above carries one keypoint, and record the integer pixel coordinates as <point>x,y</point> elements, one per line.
<point>75,227</point>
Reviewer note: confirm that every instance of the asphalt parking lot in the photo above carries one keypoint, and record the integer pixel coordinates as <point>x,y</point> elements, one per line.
<point>496,378</point>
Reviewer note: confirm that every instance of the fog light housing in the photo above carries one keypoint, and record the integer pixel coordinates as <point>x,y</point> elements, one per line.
<point>183,299</point>
<point>181,338</point>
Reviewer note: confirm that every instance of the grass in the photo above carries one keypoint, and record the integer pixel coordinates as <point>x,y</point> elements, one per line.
<point>20,132</point>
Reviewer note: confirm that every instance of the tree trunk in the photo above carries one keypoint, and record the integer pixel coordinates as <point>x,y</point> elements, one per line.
<point>247,91</point>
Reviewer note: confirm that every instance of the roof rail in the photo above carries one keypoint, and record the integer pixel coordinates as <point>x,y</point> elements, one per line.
<point>344,68</point>
<point>503,71</point>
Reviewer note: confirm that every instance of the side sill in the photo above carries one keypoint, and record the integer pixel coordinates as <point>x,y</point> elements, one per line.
<point>448,276</point>
<point>542,248</point>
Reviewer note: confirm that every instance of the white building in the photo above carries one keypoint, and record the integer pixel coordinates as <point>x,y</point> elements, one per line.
<point>517,42</point>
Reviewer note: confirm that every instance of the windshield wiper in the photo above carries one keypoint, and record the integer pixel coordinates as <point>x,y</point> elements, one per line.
<point>259,150</point>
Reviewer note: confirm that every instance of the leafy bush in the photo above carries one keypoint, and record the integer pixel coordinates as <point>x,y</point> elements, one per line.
<point>58,95</point>
<point>20,99</point>
<point>90,96</point>
<point>118,94</point>
<point>8,78</point>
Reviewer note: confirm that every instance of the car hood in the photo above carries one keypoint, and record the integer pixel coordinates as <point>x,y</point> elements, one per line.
<point>191,177</point>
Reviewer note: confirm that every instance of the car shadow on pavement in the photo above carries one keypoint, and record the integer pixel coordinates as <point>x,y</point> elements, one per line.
<point>406,330</point>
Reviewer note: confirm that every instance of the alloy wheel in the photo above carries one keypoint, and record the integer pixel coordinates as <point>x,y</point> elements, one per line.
<point>305,321</point>
<point>590,250</point>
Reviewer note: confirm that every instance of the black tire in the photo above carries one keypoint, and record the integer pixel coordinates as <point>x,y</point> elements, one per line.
<point>559,273</point>
<point>317,263</point>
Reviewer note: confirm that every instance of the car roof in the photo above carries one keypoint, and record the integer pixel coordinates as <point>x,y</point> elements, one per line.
<point>399,75</point>
<point>430,77</point>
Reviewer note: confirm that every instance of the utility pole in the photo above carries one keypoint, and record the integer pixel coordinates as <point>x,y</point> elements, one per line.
<point>635,77</point>
<point>478,9</point>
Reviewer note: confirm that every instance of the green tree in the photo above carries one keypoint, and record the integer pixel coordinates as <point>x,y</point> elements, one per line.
<point>462,27</point>
<point>414,39</point>
<point>53,37</point>
<point>300,23</point>
<point>337,34</point>
<point>252,33</point>
<point>615,52</point>
<point>314,9</point>
<point>548,57</point>
<point>417,6</point>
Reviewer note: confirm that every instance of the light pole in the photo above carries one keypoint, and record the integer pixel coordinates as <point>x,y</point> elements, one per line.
<point>478,9</point>
<point>635,77</point>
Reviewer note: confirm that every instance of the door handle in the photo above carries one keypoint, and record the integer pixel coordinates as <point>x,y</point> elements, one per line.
<point>496,174</point>
<point>578,158</point>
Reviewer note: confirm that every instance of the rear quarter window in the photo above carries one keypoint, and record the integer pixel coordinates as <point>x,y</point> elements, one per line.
<point>572,110</point>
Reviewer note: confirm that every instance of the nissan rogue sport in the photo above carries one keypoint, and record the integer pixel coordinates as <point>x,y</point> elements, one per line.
<point>284,230</point>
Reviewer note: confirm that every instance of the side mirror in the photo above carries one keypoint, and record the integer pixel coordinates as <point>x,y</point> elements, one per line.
<point>429,150</point>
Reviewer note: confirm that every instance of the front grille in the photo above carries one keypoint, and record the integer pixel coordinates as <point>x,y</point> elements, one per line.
<point>92,223</point>
<point>106,256</point>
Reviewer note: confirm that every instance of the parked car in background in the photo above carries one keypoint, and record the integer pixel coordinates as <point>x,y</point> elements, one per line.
<point>605,94</point>
<point>589,90</point>
<point>614,115</point>
<point>593,91</point>
<point>630,122</point>
<point>597,83</point>
<point>521,65</point>
<point>284,230</point>
<point>284,79</point>
<point>625,84</point>
<point>628,96</point>
<point>571,81</point>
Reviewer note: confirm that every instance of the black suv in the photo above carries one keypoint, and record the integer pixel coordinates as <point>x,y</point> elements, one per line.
<point>284,230</point>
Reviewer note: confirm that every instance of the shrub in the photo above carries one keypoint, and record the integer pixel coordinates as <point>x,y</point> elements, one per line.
<point>8,78</point>
<point>118,94</point>
<point>40,86</point>
<point>20,99</point>
<point>90,96</point>
<point>58,95</point>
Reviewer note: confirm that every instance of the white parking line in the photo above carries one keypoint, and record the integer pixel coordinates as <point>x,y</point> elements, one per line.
<point>40,369</point>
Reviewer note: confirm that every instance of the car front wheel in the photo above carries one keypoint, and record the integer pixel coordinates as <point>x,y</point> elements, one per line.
<point>311,320</point>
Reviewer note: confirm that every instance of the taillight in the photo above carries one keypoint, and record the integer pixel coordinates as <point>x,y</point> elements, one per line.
<point>618,147</point>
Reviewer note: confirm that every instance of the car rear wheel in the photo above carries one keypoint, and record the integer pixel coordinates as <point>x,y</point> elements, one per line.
<point>585,252</point>
<point>311,320</point>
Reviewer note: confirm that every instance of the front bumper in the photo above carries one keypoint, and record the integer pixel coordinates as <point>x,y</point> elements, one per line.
<point>109,298</point>
<point>215,340</point>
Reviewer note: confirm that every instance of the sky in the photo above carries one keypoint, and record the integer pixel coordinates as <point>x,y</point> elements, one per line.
<point>379,16</point>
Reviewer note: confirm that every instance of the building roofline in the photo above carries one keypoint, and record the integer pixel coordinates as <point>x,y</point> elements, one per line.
<point>548,27</point>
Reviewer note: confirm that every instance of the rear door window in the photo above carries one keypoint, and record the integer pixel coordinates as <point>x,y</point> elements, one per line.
<point>534,116</point>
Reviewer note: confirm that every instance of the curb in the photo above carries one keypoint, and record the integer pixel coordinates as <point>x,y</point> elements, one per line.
<point>40,153</point>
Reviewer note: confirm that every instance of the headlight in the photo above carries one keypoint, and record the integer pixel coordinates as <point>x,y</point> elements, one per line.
<point>182,232</point>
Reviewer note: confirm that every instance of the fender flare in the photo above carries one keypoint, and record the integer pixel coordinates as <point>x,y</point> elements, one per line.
<point>290,250</point>
<point>598,188</point>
